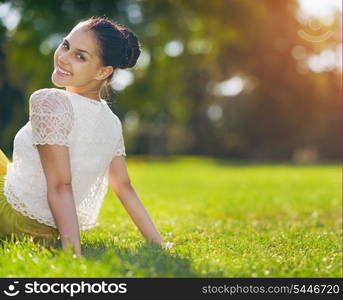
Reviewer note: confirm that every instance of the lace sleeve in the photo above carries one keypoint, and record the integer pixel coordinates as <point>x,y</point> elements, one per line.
<point>120,147</point>
<point>51,117</point>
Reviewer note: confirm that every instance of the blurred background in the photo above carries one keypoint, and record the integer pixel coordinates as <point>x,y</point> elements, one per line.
<point>241,79</point>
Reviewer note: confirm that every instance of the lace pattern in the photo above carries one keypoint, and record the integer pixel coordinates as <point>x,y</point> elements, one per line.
<point>51,116</point>
<point>18,205</point>
<point>94,136</point>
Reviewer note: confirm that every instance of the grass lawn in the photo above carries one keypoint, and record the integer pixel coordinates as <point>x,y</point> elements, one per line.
<point>226,219</point>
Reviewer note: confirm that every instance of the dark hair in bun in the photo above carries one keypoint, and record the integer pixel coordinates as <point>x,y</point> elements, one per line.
<point>132,49</point>
<point>118,46</point>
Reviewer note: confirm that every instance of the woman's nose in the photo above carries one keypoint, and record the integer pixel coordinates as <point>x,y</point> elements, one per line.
<point>63,59</point>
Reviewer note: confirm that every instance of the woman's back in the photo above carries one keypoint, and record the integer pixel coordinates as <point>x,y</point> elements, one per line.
<point>93,134</point>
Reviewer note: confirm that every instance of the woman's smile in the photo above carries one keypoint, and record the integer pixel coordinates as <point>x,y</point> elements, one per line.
<point>61,72</point>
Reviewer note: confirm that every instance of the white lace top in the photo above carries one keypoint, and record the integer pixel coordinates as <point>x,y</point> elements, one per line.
<point>93,134</point>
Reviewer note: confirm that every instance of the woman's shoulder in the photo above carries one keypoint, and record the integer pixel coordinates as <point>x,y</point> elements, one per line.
<point>48,91</point>
<point>51,98</point>
<point>115,118</point>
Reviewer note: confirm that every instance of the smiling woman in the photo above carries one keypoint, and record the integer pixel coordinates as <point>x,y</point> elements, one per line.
<point>76,72</point>
<point>72,148</point>
<point>87,57</point>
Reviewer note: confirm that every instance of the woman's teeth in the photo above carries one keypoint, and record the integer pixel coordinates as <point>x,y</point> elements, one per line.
<point>63,72</point>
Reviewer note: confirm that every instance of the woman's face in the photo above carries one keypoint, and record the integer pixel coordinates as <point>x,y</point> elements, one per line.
<point>78,56</point>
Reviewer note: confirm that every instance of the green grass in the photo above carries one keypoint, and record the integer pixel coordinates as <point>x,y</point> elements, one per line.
<point>226,219</point>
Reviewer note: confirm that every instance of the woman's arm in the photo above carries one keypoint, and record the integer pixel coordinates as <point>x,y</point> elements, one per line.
<point>52,120</point>
<point>56,165</point>
<point>121,185</point>
<point>138,214</point>
<point>62,206</point>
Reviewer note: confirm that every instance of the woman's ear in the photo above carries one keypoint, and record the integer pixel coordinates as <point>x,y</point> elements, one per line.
<point>104,73</point>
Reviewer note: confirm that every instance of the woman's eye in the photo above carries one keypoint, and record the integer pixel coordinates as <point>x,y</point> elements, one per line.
<point>65,45</point>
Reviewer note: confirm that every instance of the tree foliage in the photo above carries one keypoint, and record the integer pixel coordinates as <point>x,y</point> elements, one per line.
<point>284,107</point>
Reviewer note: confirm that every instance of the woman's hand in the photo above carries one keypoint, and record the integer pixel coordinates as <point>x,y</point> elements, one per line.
<point>156,240</point>
<point>71,246</point>
<point>77,254</point>
<point>159,241</point>
<point>168,245</point>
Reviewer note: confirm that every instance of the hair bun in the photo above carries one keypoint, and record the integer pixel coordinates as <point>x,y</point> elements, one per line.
<point>131,49</point>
